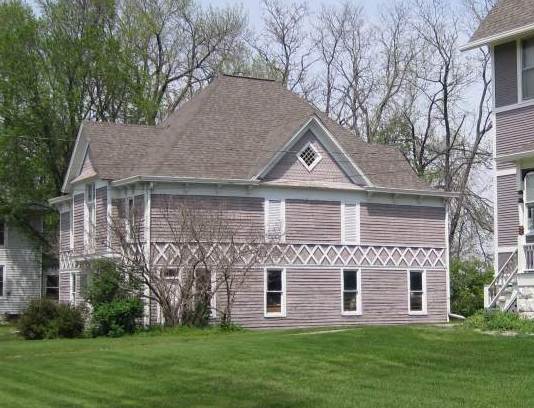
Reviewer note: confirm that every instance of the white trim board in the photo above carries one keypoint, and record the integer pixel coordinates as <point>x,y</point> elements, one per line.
<point>499,37</point>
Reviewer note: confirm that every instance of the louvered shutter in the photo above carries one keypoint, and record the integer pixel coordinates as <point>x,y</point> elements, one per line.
<point>274,220</point>
<point>351,222</point>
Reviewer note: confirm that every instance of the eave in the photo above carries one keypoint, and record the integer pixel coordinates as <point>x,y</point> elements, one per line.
<point>500,37</point>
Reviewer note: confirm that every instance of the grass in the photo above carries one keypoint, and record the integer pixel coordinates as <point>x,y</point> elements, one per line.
<point>413,366</point>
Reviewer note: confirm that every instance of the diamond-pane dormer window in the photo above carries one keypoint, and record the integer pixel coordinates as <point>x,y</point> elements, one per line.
<point>309,156</point>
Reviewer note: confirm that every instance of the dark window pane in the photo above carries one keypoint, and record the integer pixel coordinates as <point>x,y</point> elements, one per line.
<point>274,280</point>
<point>349,280</point>
<point>1,281</point>
<point>52,281</point>
<point>274,302</point>
<point>416,280</point>
<point>2,233</point>
<point>416,301</point>
<point>528,53</point>
<point>349,301</point>
<point>52,293</point>
<point>528,83</point>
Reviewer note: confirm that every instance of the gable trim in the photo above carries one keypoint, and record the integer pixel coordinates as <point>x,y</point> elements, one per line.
<point>319,131</point>
<point>76,160</point>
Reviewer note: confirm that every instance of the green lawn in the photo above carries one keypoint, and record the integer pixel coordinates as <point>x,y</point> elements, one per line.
<point>363,367</point>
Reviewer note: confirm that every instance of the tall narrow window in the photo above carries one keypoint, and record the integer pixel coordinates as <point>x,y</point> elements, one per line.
<point>529,201</point>
<point>90,223</point>
<point>350,223</point>
<point>274,220</point>
<point>73,288</point>
<point>2,233</point>
<point>2,281</point>
<point>417,292</point>
<point>350,287</point>
<point>528,68</point>
<point>275,303</point>
<point>52,287</point>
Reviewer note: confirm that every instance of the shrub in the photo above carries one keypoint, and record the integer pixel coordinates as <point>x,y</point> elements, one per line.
<point>467,285</point>
<point>114,300</point>
<point>45,319</point>
<point>497,320</point>
<point>116,317</point>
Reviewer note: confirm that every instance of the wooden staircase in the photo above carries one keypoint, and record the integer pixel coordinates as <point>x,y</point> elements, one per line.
<point>501,293</point>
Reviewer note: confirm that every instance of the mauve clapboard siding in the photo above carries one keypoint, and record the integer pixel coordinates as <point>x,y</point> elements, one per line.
<point>389,224</point>
<point>290,167</point>
<point>505,60</point>
<point>101,218</point>
<point>507,210</point>
<point>515,131</point>
<point>310,221</point>
<point>245,214</point>
<point>77,220</point>
<point>64,230</point>
<point>314,299</point>
<point>502,257</point>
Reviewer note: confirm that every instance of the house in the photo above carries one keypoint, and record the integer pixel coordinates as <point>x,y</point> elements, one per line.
<point>508,31</point>
<point>21,277</point>
<point>361,238</point>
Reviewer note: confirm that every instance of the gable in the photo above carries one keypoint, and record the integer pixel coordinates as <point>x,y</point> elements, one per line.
<point>87,169</point>
<point>290,168</point>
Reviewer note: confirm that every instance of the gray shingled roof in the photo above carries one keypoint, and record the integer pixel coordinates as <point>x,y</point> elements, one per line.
<point>505,16</point>
<point>231,130</point>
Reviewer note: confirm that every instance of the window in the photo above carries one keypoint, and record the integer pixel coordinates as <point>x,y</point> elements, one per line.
<point>90,222</point>
<point>350,287</point>
<point>170,273</point>
<point>2,233</point>
<point>275,220</point>
<point>52,287</point>
<point>73,288</point>
<point>2,281</point>
<point>527,57</point>
<point>309,156</point>
<point>350,223</point>
<point>275,302</point>
<point>417,292</point>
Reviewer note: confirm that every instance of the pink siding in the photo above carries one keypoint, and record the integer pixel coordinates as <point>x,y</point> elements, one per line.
<point>243,213</point>
<point>64,231</point>
<point>515,131</point>
<point>314,299</point>
<point>313,221</point>
<point>507,210</point>
<point>291,169</point>
<point>78,222</point>
<point>87,169</point>
<point>101,218</point>
<point>388,224</point>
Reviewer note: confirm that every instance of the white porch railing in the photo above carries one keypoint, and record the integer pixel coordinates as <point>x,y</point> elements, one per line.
<point>529,257</point>
<point>503,284</point>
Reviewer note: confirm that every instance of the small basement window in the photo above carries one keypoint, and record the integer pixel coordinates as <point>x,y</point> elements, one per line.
<point>309,156</point>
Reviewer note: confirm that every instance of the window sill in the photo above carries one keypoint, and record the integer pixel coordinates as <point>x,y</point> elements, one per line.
<point>275,315</point>
<point>418,313</point>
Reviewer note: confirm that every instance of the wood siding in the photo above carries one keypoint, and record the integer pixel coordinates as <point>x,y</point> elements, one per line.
<point>289,168</point>
<point>314,299</point>
<point>78,221</point>
<point>313,221</point>
<point>245,214</point>
<point>515,131</point>
<point>505,61</point>
<point>101,204</point>
<point>507,210</point>
<point>388,224</point>
<point>502,257</point>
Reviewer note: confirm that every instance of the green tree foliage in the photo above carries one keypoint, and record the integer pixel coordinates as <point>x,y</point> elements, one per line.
<point>467,285</point>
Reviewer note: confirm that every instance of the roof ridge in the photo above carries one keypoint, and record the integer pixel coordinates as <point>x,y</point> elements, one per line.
<point>254,78</point>
<point>108,123</point>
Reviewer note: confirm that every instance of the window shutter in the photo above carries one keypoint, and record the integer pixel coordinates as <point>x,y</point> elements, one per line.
<point>274,220</point>
<point>529,185</point>
<point>351,222</point>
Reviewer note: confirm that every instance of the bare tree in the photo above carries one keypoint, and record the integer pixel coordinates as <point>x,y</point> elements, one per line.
<point>205,260</point>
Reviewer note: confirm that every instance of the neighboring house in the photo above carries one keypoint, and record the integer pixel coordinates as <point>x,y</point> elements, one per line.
<point>508,31</point>
<point>362,239</point>
<point>21,277</point>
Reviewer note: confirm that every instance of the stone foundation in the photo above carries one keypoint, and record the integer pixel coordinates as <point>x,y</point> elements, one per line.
<point>525,294</point>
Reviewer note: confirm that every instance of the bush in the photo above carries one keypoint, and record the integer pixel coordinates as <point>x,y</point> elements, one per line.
<point>117,317</point>
<point>115,301</point>
<point>467,285</point>
<point>497,320</point>
<point>45,319</point>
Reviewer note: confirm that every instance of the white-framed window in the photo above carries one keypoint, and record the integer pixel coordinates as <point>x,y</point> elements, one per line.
<point>527,68</point>
<point>3,281</point>
<point>52,287</point>
<point>90,216</point>
<point>529,201</point>
<point>350,223</point>
<point>309,156</point>
<point>351,303</point>
<point>130,218</point>
<point>72,225</point>
<point>73,279</point>
<point>275,220</point>
<point>275,292</point>
<point>417,292</point>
